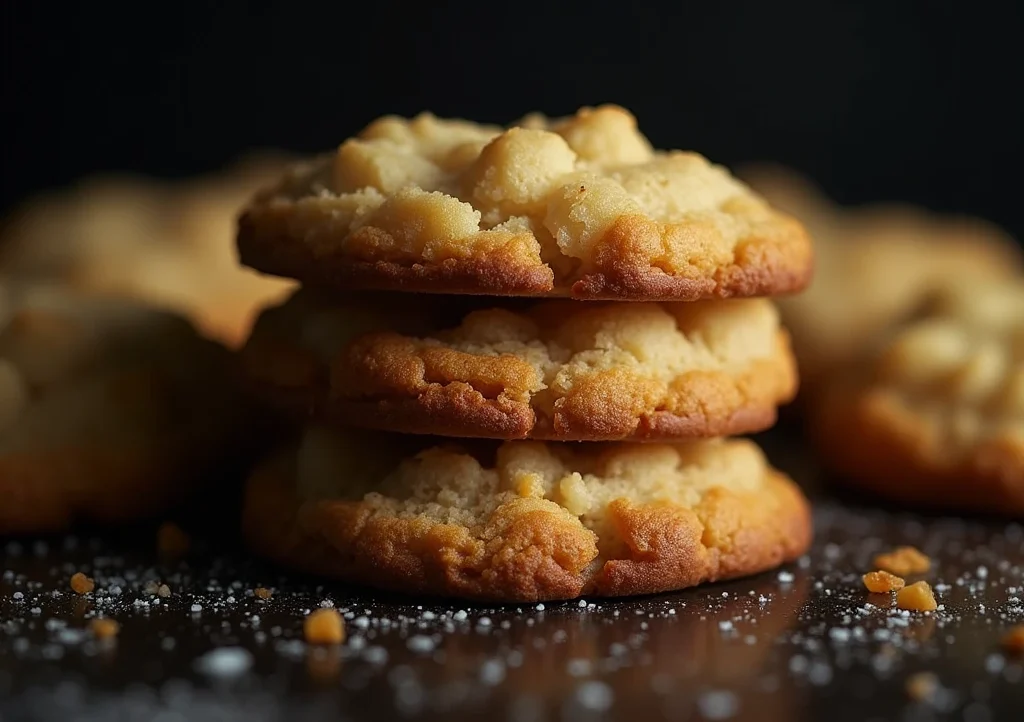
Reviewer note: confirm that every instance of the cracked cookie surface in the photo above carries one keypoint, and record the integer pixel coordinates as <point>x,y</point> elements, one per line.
<point>556,369</point>
<point>580,206</point>
<point>522,520</point>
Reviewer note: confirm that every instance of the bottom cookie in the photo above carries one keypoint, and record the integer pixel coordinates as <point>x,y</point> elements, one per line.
<point>522,520</point>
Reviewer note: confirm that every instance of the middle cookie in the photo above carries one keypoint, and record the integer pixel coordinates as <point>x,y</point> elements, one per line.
<point>560,370</point>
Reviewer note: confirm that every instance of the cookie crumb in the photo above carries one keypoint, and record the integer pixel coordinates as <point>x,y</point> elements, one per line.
<point>881,582</point>
<point>917,597</point>
<point>922,686</point>
<point>104,628</point>
<point>904,561</point>
<point>324,626</point>
<point>262,593</point>
<point>81,584</point>
<point>1013,641</point>
<point>163,591</point>
<point>171,541</point>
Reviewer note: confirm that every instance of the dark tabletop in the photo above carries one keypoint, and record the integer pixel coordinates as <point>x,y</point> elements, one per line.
<point>802,643</point>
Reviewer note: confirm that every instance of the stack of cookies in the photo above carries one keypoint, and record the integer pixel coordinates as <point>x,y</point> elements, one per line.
<point>514,359</point>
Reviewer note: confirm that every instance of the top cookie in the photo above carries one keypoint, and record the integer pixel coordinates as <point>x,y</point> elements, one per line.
<point>581,206</point>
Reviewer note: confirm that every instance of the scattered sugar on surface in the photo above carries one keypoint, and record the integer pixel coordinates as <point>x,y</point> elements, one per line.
<point>813,621</point>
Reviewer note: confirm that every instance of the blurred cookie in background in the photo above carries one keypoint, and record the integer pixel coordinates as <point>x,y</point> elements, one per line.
<point>110,411</point>
<point>167,243</point>
<point>873,265</point>
<point>933,413</point>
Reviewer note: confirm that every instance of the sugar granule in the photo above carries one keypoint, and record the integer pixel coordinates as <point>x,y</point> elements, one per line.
<point>595,695</point>
<point>225,662</point>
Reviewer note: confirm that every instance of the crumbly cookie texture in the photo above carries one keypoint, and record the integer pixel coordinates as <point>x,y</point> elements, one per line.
<point>940,405</point>
<point>556,369</point>
<point>170,245</point>
<point>108,410</point>
<point>580,206</point>
<point>523,520</point>
<point>872,266</point>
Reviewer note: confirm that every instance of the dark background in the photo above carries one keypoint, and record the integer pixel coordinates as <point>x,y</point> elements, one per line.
<point>878,101</point>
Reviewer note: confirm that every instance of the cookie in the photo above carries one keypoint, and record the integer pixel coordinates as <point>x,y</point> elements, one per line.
<point>109,411</point>
<point>873,265</point>
<point>935,415</point>
<point>554,369</point>
<point>168,244</point>
<point>580,206</point>
<point>522,521</point>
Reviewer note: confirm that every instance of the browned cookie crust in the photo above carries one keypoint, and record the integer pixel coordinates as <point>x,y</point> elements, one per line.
<point>935,417</point>
<point>524,521</point>
<point>581,207</point>
<point>557,370</point>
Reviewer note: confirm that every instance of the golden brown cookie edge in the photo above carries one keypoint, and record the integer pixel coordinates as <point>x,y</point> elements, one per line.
<point>457,409</point>
<point>768,266</point>
<point>545,556</point>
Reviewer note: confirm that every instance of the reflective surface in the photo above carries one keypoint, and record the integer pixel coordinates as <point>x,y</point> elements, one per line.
<point>803,643</point>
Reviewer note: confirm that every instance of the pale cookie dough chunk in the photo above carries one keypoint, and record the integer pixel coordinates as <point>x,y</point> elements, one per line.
<point>522,520</point>
<point>109,411</point>
<point>935,415</point>
<point>872,265</point>
<point>580,206</point>
<point>558,369</point>
<point>167,244</point>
